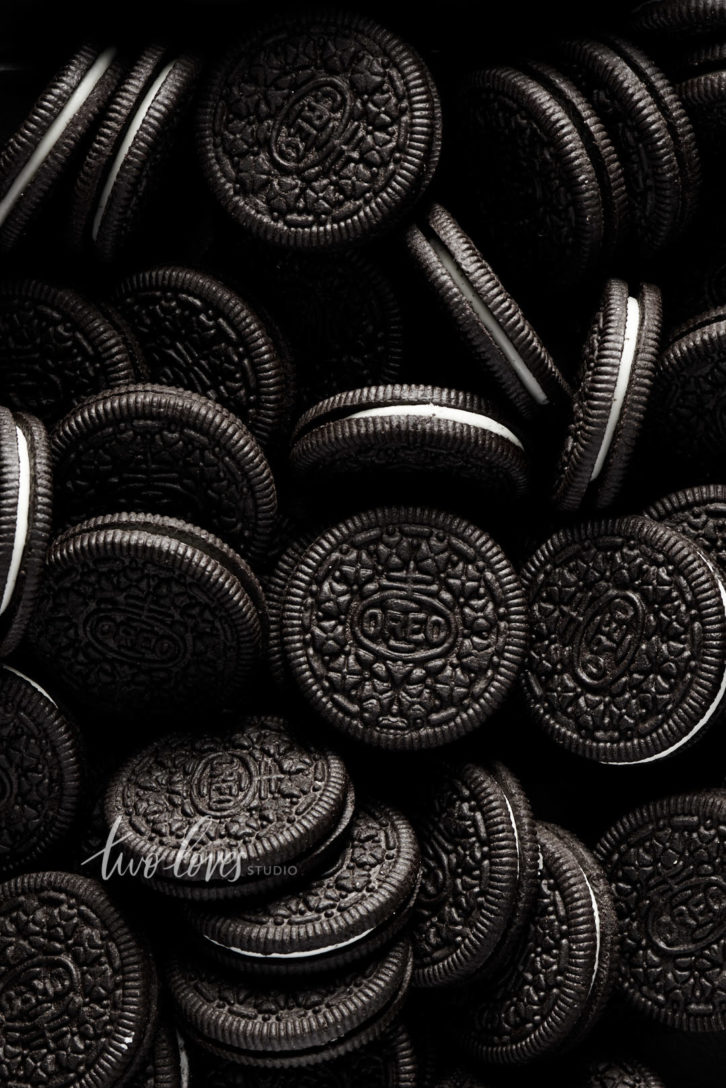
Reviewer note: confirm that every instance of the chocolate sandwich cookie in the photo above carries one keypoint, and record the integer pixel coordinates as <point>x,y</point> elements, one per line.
<point>678,17</point>
<point>609,406</point>
<point>389,1062</point>
<point>305,149</point>
<point>78,993</point>
<point>35,156</point>
<point>41,769</point>
<point>703,94</point>
<point>196,333</point>
<point>361,901</point>
<point>485,314</point>
<point>250,1024</point>
<point>620,1073</point>
<point>411,428</point>
<point>167,1066</point>
<point>167,451</point>
<point>275,594</point>
<point>554,193</point>
<point>147,615</point>
<point>136,134</point>
<point>665,861</point>
<point>557,981</point>
<point>404,627</point>
<point>25,520</point>
<point>479,870</point>
<point>203,809</point>
<point>700,514</point>
<point>56,348</point>
<point>651,131</point>
<point>627,660</point>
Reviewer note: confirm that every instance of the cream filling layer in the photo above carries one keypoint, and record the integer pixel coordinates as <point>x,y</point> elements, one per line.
<point>50,138</point>
<point>292,955</point>
<point>598,938</point>
<point>625,369</point>
<point>129,136</point>
<point>183,1061</point>
<point>489,321</point>
<point>514,829</point>
<point>22,517</point>
<point>438,411</point>
<point>32,683</point>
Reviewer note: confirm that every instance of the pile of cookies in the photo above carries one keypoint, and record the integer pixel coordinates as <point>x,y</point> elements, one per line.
<point>363,553</point>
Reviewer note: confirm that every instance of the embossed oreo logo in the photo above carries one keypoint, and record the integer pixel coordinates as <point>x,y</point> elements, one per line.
<point>689,916</point>
<point>608,638</point>
<point>41,991</point>
<point>404,623</point>
<point>310,124</point>
<point>136,635</point>
<point>220,784</point>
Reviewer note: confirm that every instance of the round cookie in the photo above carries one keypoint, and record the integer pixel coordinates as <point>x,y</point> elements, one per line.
<point>135,136</point>
<point>37,154</point>
<point>357,904</point>
<point>479,871</point>
<point>411,428</point>
<point>665,861</point>
<point>147,615</point>
<point>609,406</point>
<point>55,349</point>
<point>486,315</point>
<point>620,1073</point>
<point>167,1066</point>
<point>404,627</point>
<point>40,771</point>
<point>229,1015</point>
<point>700,514</point>
<point>679,16</point>
<point>69,963</point>
<point>627,660</point>
<point>166,451</point>
<point>196,333</point>
<point>559,976</point>
<point>304,151</point>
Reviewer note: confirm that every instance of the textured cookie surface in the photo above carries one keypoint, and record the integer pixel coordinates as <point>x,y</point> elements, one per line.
<point>700,514</point>
<point>619,1074</point>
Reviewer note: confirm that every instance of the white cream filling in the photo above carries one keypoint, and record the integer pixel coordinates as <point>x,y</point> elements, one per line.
<point>183,1061</point>
<point>625,369</point>
<point>134,125</point>
<point>438,411</point>
<point>489,321</point>
<point>292,955</point>
<point>21,520</point>
<point>50,138</point>
<point>32,683</point>
<point>706,717</point>
<point>514,829</point>
<point>596,914</point>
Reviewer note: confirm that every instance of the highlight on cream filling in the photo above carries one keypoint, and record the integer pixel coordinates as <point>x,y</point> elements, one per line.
<point>183,1061</point>
<point>54,132</point>
<point>625,367</point>
<point>596,914</point>
<point>32,683</point>
<point>292,955</point>
<point>438,411</point>
<point>487,318</point>
<point>129,136</point>
<point>514,828</point>
<point>21,520</point>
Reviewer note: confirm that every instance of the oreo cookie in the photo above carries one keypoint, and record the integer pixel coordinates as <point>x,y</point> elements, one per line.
<point>627,661</point>
<point>198,334</point>
<point>611,400</point>
<point>619,1073</point>
<point>361,901</point>
<point>219,810</point>
<point>230,1015</point>
<point>479,871</point>
<point>167,1066</point>
<point>165,451</point>
<point>41,771</point>
<point>679,16</point>
<point>665,861</point>
<point>56,348</point>
<point>135,135</point>
<point>69,962</point>
<point>700,514</point>
<point>485,314</point>
<point>404,627</point>
<point>411,428</point>
<point>275,594</point>
<point>703,94</point>
<point>557,982</point>
<point>37,154</point>
<point>304,151</point>
<point>147,616</point>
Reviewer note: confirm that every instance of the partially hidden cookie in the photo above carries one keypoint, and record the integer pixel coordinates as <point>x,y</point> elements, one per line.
<point>411,429</point>
<point>678,17</point>
<point>627,660</point>
<point>146,615</point>
<point>618,1073</point>
<point>167,1066</point>
<point>700,514</point>
<point>304,151</point>
<point>665,861</point>
<point>154,449</point>
<point>404,627</point>
<point>611,399</point>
